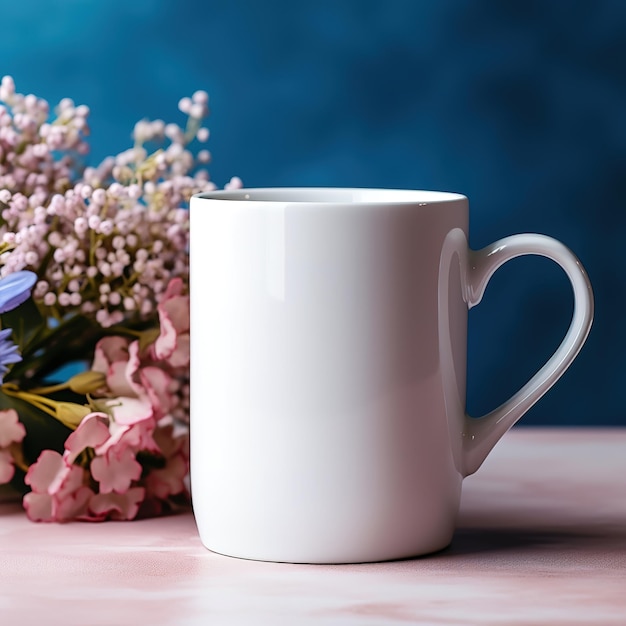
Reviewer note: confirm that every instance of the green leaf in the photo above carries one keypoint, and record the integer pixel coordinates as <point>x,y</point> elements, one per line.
<point>54,347</point>
<point>148,337</point>
<point>26,321</point>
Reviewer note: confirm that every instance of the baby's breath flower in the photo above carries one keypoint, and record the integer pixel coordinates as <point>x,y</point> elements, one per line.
<point>105,240</point>
<point>184,105</point>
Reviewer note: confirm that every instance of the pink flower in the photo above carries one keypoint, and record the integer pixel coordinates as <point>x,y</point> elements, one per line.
<point>133,419</point>
<point>110,358</point>
<point>170,479</point>
<point>138,436</point>
<point>114,467</point>
<point>116,470</point>
<point>6,466</point>
<point>58,493</point>
<point>129,379</point>
<point>115,447</point>
<point>157,386</point>
<point>122,486</point>
<point>118,506</point>
<point>93,431</point>
<point>172,345</point>
<point>58,485</point>
<point>11,431</point>
<point>128,411</point>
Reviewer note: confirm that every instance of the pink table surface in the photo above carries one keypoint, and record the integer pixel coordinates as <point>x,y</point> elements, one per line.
<point>541,540</point>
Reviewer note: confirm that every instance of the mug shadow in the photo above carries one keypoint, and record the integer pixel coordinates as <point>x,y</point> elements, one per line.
<point>473,541</point>
<point>597,544</point>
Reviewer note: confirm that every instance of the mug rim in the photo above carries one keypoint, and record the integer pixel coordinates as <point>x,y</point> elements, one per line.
<point>348,196</point>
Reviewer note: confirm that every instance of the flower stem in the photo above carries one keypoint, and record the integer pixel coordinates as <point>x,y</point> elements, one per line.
<point>39,402</point>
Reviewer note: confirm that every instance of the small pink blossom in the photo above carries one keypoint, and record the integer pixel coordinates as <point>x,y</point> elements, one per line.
<point>116,470</point>
<point>92,432</point>
<point>6,467</point>
<point>169,480</point>
<point>118,380</point>
<point>118,506</point>
<point>137,436</point>
<point>109,350</point>
<point>234,183</point>
<point>58,493</point>
<point>104,435</point>
<point>157,385</point>
<point>128,411</point>
<point>11,429</point>
<point>141,389</point>
<point>174,446</point>
<point>172,343</point>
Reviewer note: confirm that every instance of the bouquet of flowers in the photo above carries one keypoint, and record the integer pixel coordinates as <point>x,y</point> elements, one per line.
<point>94,311</point>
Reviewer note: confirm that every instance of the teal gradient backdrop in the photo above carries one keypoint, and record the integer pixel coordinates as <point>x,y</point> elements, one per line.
<point>519,105</point>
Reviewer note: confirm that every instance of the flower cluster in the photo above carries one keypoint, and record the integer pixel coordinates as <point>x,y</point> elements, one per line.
<point>104,250</point>
<point>99,474</point>
<point>107,244</point>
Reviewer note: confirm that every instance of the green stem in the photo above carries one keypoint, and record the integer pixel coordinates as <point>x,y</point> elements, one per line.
<point>39,402</point>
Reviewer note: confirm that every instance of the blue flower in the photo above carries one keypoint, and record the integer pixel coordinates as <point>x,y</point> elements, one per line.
<point>8,352</point>
<point>15,289</point>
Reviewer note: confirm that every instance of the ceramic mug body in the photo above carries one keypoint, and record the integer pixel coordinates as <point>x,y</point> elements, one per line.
<point>328,371</point>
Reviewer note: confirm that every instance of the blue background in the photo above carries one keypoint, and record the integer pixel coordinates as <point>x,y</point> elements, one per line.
<point>519,105</point>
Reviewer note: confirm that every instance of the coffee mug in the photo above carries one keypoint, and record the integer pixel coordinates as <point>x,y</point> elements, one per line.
<point>328,369</point>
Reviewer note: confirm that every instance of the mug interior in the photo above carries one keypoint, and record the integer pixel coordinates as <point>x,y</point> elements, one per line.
<point>332,195</point>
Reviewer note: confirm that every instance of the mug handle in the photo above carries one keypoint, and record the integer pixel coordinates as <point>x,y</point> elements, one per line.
<point>480,435</point>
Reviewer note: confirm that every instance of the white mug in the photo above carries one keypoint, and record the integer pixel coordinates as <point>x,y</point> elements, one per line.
<point>328,368</point>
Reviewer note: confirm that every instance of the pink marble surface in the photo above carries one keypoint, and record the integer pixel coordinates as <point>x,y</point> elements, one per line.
<point>541,540</point>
